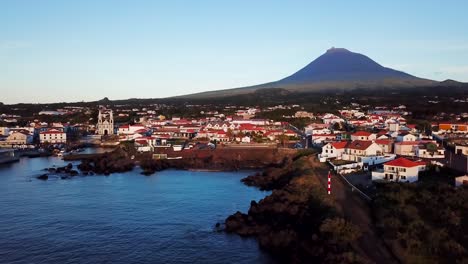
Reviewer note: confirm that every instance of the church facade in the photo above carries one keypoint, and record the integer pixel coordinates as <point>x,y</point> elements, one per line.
<point>105,125</point>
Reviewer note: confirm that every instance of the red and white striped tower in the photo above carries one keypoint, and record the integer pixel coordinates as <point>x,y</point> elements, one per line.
<point>329,182</point>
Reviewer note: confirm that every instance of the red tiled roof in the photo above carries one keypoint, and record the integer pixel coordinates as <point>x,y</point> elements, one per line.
<point>383,141</point>
<point>52,131</point>
<point>382,132</point>
<point>402,162</point>
<point>408,143</point>
<point>339,145</point>
<point>359,144</point>
<point>247,126</point>
<point>362,133</point>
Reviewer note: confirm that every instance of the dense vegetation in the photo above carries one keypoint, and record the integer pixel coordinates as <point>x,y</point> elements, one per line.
<point>426,223</point>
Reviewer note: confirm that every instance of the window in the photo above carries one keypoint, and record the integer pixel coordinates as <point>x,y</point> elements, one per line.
<point>403,177</point>
<point>391,176</point>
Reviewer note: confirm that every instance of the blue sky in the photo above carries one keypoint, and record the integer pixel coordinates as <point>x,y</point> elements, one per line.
<point>54,51</point>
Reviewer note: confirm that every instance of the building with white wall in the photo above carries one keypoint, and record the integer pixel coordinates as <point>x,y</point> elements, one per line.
<point>105,125</point>
<point>400,170</point>
<point>53,136</point>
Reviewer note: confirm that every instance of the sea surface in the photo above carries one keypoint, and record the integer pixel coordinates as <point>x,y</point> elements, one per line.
<point>168,217</point>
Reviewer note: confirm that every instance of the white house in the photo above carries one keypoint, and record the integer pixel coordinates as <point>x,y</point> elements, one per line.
<point>129,129</point>
<point>401,169</point>
<point>422,151</point>
<point>357,149</point>
<point>406,137</point>
<point>406,148</point>
<point>53,136</point>
<point>221,136</point>
<point>257,122</point>
<point>385,144</point>
<point>322,138</point>
<point>315,127</point>
<point>320,131</point>
<point>363,135</point>
<point>331,119</point>
<point>333,150</point>
<point>393,125</point>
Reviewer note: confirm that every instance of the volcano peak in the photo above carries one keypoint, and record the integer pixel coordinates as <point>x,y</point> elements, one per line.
<point>333,50</point>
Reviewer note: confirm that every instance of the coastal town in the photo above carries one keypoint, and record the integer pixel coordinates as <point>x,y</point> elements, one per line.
<point>377,142</point>
<point>213,132</point>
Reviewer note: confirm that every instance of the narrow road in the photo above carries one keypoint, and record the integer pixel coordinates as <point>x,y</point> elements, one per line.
<point>356,210</point>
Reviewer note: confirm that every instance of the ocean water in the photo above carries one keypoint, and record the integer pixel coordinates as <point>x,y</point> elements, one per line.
<point>123,218</point>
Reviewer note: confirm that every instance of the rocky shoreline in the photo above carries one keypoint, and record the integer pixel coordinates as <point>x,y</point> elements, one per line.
<point>297,223</point>
<point>124,159</point>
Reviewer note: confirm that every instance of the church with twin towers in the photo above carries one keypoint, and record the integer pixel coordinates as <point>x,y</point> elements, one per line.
<point>105,125</point>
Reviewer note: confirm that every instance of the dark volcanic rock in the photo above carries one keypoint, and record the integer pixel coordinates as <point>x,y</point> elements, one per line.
<point>288,222</point>
<point>43,177</point>
<point>107,163</point>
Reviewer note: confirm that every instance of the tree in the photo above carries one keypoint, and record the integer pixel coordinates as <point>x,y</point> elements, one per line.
<point>431,148</point>
<point>336,126</point>
<point>339,231</point>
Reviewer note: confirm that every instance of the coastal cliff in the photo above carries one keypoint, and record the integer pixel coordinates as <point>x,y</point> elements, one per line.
<point>298,222</point>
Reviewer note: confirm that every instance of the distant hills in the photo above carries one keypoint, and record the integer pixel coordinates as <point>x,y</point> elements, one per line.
<point>337,70</point>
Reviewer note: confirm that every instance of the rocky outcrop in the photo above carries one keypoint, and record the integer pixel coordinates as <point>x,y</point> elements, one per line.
<point>116,161</point>
<point>64,172</point>
<point>43,177</point>
<point>293,222</point>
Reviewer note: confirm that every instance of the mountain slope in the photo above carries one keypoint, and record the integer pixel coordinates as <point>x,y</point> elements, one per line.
<point>339,64</point>
<point>337,69</point>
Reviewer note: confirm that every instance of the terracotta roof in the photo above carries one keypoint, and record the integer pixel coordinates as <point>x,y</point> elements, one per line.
<point>362,133</point>
<point>247,126</point>
<point>383,141</point>
<point>52,131</point>
<point>414,143</point>
<point>339,145</point>
<point>359,144</point>
<point>382,132</point>
<point>402,162</point>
